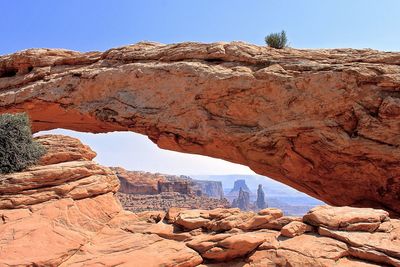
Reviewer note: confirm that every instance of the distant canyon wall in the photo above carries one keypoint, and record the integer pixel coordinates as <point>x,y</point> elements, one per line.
<point>146,183</point>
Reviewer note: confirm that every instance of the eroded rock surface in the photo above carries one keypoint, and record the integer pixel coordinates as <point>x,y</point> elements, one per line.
<point>322,121</point>
<point>140,191</point>
<point>64,213</point>
<point>69,216</point>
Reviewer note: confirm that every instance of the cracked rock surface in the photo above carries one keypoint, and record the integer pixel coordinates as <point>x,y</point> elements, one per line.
<point>65,213</point>
<point>325,122</point>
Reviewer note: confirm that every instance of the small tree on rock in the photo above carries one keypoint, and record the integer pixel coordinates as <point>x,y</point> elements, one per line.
<point>277,40</point>
<point>18,150</point>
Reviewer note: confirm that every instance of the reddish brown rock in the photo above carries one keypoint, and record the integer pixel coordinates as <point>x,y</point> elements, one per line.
<point>378,247</point>
<point>74,176</point>
<point>225,247</point>
<point>172,213</point>
<point>70,216</point>
<point>141,191</point>
<point>277,224</point>
<point>295,228</point>
<point>304,250</point>
<point>262,220</point>
<point>227,219</point>
<point>61,148</point>
<point>143,183</point>
<point>346,218</point>
<point>66,214</point>
<point>322,121</point>
<point>192,219</point>
<point>275,213</point>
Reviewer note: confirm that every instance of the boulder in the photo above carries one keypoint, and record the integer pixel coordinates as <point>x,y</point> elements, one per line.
<point>278,223</point>
<point>62,148</point>
<point>346,218</point>
<point>295,228</point>
<point>192,219</point>
<point>261,220</point>
<point>225,247</point>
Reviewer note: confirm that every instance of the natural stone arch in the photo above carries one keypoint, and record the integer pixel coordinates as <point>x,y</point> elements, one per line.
<point>322,121</point>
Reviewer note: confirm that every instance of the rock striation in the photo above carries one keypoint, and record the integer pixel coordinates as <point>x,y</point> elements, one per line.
<point>322,121</point>
<point>65,213</point>
<point>146,183</point>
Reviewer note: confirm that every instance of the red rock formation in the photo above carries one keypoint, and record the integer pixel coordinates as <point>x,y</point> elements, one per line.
<point>135,182</point>
<point>322,121</point>
<point>142,191</point>
<point>164,201</point>
<point>66,214</point>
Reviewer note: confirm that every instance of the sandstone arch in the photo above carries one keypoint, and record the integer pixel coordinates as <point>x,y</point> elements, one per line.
<point>325,122</point>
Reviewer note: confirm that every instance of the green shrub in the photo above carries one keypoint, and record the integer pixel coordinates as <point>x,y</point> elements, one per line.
<point>18,150</point>
<point>276,40</point>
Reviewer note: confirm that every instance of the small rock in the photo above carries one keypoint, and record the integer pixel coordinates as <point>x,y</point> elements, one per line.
<point>295,228</point>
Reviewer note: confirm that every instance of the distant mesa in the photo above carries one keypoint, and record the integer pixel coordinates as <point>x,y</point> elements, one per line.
<point>142,191</point>
<point>240,184</point>
<point>242,197</point>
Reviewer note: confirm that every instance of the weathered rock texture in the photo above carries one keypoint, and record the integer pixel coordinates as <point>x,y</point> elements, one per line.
<point>143,191</point>
<point>322,121</point>
<point>146,183</point>
<point>211,189</point>
<point>164,201</point>
<point>69,216</point>
<point>64,213</point>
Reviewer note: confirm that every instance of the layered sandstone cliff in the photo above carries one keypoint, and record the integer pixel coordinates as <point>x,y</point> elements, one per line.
<point>63,212</point>
<point>322,121</point>
<point>147,183</point>
<point>65,209</point>
<point>144,191</point>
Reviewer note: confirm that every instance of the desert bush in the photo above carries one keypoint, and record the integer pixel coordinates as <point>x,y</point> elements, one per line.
<point>276,40</point>
<point>18,150</point>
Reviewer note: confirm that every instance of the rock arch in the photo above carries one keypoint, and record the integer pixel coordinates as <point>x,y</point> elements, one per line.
<point>325,122</point>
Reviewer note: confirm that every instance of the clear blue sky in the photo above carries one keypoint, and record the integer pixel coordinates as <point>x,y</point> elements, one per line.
<point>86,25</point>
<point>98,24</point>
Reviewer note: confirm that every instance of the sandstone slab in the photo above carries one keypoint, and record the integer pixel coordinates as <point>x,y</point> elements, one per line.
<point>346,218</point>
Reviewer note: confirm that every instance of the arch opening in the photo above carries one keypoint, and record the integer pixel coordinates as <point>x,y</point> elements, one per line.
<point>135,153</point>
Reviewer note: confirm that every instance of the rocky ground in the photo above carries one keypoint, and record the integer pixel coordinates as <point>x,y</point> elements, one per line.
<point>164,201</point>
<point>64,212</point>
<point>144,191</point>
